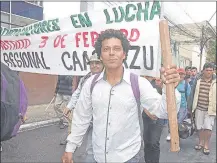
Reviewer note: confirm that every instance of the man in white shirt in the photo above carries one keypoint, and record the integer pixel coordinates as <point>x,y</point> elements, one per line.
<point>96,66</point>
<point>116,133</point>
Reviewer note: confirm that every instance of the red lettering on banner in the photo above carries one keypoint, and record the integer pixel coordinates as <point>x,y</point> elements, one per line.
<point>59,40</point>
<point>15,44</point>
<point>89,38</point>
<point>44,41</point>
<point>77,39</point>
<point>134,35</point>
<point>124,31</point>
<point>85,38</point>
<point>94,36</point>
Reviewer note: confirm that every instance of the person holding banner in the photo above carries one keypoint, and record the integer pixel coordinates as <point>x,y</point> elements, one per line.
<point>111,103</point>
<point>62,96</point>
<point>96,66</point>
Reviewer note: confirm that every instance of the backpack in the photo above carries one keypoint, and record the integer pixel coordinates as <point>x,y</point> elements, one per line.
<point>186,128</point>
<point>14,102</point>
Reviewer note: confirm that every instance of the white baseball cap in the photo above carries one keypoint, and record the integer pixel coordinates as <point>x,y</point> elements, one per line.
<point>94,57</point>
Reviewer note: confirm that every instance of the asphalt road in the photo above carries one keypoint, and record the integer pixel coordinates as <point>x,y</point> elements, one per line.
<point>42,145</point>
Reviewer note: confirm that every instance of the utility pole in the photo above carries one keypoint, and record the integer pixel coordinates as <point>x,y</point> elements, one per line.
<point>201,47</point>
<point>203,42</point>
<point>83,6</point>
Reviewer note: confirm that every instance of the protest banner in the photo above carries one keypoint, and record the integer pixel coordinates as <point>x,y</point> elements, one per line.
<point>63,46</point>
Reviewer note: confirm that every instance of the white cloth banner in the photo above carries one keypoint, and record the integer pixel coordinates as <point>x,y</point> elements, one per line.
<point>63,46</point>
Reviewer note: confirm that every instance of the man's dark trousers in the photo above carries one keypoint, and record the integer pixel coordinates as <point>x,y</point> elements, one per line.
<point>151,135</point>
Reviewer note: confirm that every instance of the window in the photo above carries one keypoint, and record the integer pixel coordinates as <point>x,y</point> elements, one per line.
<point>39,3</point>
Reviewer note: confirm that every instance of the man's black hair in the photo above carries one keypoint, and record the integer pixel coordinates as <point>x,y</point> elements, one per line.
<point>112,33</point>
<point>187,77</point>
<point>208,65</point>
<point>194,68</point>
<point>187,68</point>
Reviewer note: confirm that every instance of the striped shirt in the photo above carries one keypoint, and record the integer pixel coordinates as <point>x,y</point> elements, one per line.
<point>203,98</point>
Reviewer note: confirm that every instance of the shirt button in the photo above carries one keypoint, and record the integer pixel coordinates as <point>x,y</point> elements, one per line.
<point>107,138</point>
<point>109,123</point>
<point>106,152</point>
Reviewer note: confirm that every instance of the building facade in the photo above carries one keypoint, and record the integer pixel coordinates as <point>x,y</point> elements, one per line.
<point>15,14</point>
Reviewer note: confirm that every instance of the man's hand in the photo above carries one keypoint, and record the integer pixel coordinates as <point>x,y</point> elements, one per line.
<point>153,117</point>
<point>67,157</point>
<point>170,75</point>
<point>66,112</point>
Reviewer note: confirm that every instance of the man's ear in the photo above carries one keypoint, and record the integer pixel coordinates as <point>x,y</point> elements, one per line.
<point>124,57</point>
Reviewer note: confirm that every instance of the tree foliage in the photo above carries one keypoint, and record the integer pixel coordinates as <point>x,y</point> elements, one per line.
<point>211,51</point>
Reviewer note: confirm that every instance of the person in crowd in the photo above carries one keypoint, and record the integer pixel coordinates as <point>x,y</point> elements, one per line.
<point>188,70</point>
<point>96,66</point>
<point>185,89</point>
<point>112,105</point>
<point>194,73</point>
<point>62,96</point>
<point>152,129</point>
<point>202,105</point>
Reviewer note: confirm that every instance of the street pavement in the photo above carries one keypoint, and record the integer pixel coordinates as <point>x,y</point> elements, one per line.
<point>42,145</point>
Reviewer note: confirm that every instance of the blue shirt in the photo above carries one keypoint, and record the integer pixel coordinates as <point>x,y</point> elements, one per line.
<point>181,89</point>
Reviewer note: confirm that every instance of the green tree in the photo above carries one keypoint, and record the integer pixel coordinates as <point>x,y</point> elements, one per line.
<point>211,51</point>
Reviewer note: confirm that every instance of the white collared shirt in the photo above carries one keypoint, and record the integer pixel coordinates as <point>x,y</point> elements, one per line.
<point>116,131</point>
<point>76,94</point>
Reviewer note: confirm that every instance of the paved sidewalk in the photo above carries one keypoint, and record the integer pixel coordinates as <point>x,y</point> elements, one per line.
<point>37,117</point>
<point>36,113</point>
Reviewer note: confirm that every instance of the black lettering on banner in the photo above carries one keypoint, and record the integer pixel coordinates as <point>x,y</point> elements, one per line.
<point>85,59</point>
<point>26,59</point>
<point>22,59</point>
<point>16,56</point>
<point>6,59</point>
<point>64,63</point>
<point>38,60</point>
<point>132,65</point>
<point>43,61</point>
<point>151,58</point>
<point>76,61</point>
<point>125,64</point>
<point>32,60</point>
<point>11,58</point>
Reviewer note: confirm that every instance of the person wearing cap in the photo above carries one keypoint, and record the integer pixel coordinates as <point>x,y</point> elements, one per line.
<point>96,66</point>
<point>185,89</point>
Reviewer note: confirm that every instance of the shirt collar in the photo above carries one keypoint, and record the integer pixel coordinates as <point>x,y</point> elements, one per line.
<point>125,77</point>
<point>207,81</point>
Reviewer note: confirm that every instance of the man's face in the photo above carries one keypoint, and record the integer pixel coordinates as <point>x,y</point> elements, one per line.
<point>112,53</point>
<point>188,72</point>
<point>193,72</point>
<point>182,76</point>
<point>96,67</point>
<point>208,72</point>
